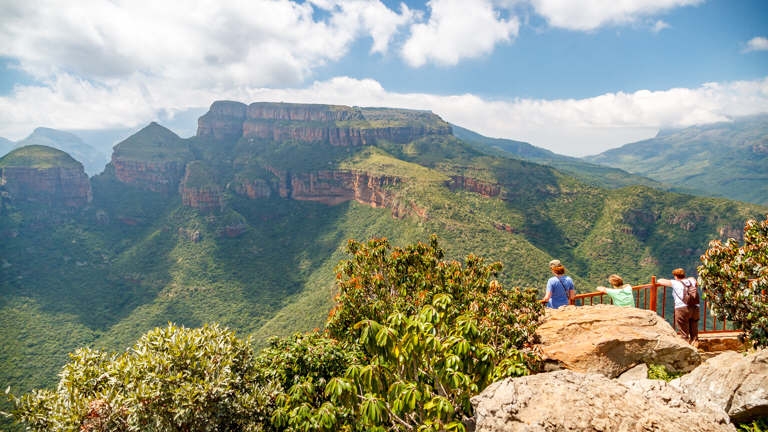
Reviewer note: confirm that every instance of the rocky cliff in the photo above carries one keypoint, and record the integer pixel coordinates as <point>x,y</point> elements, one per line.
<point>337,125</point>
<point>153,159</point>
<point>331,187</point>
<point>199,189</point>
<point>44,175</point>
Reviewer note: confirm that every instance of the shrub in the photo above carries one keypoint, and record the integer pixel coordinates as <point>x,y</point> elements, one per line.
<point>735,280</point>
<point>173,379</point>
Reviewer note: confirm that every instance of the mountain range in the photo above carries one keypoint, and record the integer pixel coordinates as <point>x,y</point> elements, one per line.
<point>93,159</point>
<point>244,222</point>
<point>728,159</point>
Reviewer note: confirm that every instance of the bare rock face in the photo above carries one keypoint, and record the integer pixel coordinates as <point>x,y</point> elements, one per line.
<point>337,186</point>
<point>155,176</point>
<point>253,189</point>
<point>199,190</point>
<point>223,121</point>
<point>335,124</point>
<point>68,187</point>
<point>571,401</point>
<point>609,340</point>
<point>734,382</point>
<point>470,184</point>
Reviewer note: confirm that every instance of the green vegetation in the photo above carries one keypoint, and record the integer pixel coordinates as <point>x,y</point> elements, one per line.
<point>722,159</point>
<point>154,143</point>
<point>133,259</point>
<point>425,336</point>
<point>660,372</point>
<point>759,425</point>
<point>735,281</point>
<point>198,175</point>
<point>38,156</point>
<point>589,173</point>
<point>93,160</point>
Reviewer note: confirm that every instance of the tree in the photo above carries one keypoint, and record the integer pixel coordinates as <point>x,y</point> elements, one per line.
<point>434,334</point>
<point>735,280</point>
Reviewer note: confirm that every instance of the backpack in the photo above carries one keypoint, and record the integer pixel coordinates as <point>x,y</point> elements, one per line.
<point>690,293</point>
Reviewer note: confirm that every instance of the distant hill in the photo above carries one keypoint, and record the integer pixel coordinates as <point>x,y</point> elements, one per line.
<point>93,160</point>
<point>591,173</point>
<point>244,222</point>
<point>723,159</point>
<point>6,145</point>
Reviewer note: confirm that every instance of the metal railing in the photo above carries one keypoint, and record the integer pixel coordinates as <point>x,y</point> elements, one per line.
<point>659,299</point>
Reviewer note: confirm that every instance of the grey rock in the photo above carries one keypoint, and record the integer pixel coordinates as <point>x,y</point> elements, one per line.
<point>572,401</point>
<point>734,382</point>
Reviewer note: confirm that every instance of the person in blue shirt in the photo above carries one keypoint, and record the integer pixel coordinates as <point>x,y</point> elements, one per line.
<point>560,288</point>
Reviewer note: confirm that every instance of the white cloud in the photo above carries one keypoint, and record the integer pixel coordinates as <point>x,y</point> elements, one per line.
<point>457,29</point>
<point>569,126</point>
<point>659,26</point>
<point>757,44</point>
<point>212,43</point>
<point>590,14</point>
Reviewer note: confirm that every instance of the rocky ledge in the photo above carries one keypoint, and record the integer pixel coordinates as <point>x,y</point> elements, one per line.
<point>155,176</point>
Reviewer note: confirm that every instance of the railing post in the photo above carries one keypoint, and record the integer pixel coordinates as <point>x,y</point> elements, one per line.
<point>653,294</point>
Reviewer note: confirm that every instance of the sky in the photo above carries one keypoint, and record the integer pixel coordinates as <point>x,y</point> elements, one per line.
<point>575,77</point>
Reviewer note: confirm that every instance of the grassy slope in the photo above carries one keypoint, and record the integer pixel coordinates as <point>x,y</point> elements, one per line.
<point>723,159</point>
<point>38,156</point>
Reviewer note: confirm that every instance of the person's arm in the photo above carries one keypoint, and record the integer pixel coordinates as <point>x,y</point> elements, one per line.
<point>601,289</point>
<point>664,282</point>
<point>548,294</point>
<point>572,291</point>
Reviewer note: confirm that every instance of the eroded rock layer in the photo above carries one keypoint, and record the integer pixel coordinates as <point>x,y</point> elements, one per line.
<point>155,176</point>
<point>69,187</point>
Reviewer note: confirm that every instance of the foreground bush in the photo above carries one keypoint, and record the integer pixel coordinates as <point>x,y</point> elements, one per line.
<point>410,340</point>
<point>173,379</point>
<point>735,280</point>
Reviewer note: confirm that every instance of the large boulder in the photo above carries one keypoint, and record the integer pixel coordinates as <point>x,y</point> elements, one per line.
<point>572,401</point>
<point>609,340</point>
<point>735,382</point>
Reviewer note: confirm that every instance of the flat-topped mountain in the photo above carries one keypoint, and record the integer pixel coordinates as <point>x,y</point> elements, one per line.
<point>45,175</point>
<point>243,224</point>
<point>727,159</point>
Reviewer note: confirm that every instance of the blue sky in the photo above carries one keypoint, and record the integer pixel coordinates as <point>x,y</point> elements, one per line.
<point>574,77</point>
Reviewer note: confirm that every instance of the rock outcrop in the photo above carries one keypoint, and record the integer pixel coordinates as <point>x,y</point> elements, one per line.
<point>335,187</point>
<point>470,184</point>
<point>609,340</point>
<point>44,175</point>
<point>332,187</point>
<point>734,382</point>
<point>335,124</point>
<point>199,189</point>
<point>153,158</point>
<point>154,176</point>
<point>571,401</point>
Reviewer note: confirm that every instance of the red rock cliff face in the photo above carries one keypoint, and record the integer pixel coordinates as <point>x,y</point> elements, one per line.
<point>68,187</point>
<point>303,122</point>
<point>470,184</point>
<point>223,121</point>
<point>206,198</point>
<point>333,187</point>
<point>155,176</point>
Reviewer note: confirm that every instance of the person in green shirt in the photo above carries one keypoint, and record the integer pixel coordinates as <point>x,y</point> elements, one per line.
<point>621,293</point>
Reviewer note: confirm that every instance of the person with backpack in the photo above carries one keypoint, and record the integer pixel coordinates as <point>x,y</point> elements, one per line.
<point>560,288</point>
<point>686,295</point>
